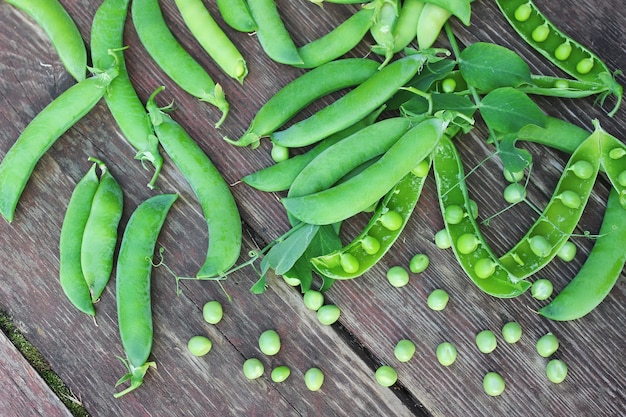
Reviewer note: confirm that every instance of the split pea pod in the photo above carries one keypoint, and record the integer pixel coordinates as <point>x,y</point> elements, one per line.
<point>353,106</point>
<point>363,190</point>
<point>562,213</point>
<point>71,275</point>
<point>52,17</point>
<point>100,235</point>
<point>212,38</point>
<point>107,32</point>
<point>213,193</point>
<point>236,14</point>
<point>473,253</point>
<point>41,133</point>
<point>133,273</point>
<point>302,91</point>
<point>613,162</point>
<point>599,273</point>
<point>172,57</point>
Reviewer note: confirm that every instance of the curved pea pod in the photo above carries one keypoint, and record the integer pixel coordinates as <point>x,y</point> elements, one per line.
<point>353,106</point>
<point>475,256</point>
<point>133,273</point>
<point>613,162</point>
<point>382,30</point>
<point>375,239</point>
<point>43,131</point>
<point>405,30</point>
<point>365,189</point>
<point>213,193</point>
<point>70,271</point>
<point>562,213</point>
<point>100,234</point>
<point>54,19</point>
<point>556,133</point>
<point>236,14</point>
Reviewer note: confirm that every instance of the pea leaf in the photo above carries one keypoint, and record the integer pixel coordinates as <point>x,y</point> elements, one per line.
<point>507,110</point>
<point>459,8</point>
<point>514,159</point>
<point>487,66</point>
<point>282,256</point>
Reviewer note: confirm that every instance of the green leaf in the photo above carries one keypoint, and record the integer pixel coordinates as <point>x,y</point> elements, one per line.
<point>514,159</point>
<point>487,66</point>
<point>506,110</point>
<point>284,255</point>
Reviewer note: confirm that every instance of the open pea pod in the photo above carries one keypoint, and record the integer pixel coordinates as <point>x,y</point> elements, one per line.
<point>473,253</point>
<point>613,162</point>
<point>378,236</point>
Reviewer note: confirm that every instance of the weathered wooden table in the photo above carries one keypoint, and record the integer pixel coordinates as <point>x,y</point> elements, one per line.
<point>374,316</point>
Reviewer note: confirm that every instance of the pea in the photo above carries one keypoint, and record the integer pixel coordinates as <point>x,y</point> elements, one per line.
<point>313,379</point>
<point>523,12</point>
<point>582,169</point>
<point>570,199</point>
<point>280,373</point>
<point>584,66</point>
<point>438,300</point>
<point>556,371</point>
<point>617,153</point>
<point>442,239</point>
<point>253,368</point>
<point>370,245</point>
<point>511,176</point>
<point>514,193</point>
<point>512,332</point>
<point>493,384</point>
<point>563,51</point>
<point>484,268</point>
<point>467,243</point>
<point>540,33</point>
<point>547,345</point>
<point>540,246</point>
<point>446,353</point>
<point>454,214</point>
<point>562,84</point>
<point>269,342</point>
<point>421,169</point>
<point>199,345</point>
<point>419,263</point>
<point>349,263</point>
<point>398,276</point>
<point>391,220</point>
<point>473,208</point>
<point>212,312</point>
<point>448,85</point>
<point>404,350</point>
<point>541,289</point>
<point>621,179</point>
<point>328,314</point>
<point>386,376</point>
<point>279,153</point>
<point>567,252</point>
<point>313,300</point>
<point>486,341</point>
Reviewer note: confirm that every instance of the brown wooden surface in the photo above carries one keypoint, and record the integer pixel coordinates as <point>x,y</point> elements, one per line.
<point>374,314</point>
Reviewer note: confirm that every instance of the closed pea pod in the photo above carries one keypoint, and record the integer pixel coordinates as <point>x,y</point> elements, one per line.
<point>134,268</point>
<point>405,30</point>
<point>52,17</point>
<point>236,14</point>
<point>435,14</point>
<point>218,204</point>
<point>41,133</point>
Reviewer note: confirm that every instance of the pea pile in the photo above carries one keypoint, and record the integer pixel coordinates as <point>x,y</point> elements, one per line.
<point>370,151</point>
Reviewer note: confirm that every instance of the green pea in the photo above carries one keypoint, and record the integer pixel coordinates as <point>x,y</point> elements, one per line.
<point>582,169</point>
<point>540,33</point>
<point>486,341</point>
<point>448,85</point>
<point>279,153</point>
<point>556,370</point>
<point>467,243</point>
<point>493,384</point>
<point>313,379</point>
<point>212,312</point>
<point>563,51</point>
<point>446,353</point>
<point>523,12</point>
<point>280,373</point>
<point>419,263</point>
<point>454,214</point>
<point>541,289</point>
<point>391,220</point>
<point>562,84</point>
<point>511,176</point>
<point>199,345</point>
<point>328,314</point>
<point>540,246</point>
<point>617,153</point>
<point>570,199</point>
<point>253,368</point>
<point>269,342</point>
<point>404,350</point>
<point>421,169</point>
<point>567,252</point>
<point>349,263</point>
<point>398,276</point>
<point>442,239</point>
<point>514,193</point>
<point>547,345</point>
<point>585,65</point>
<point>438,299</point>
<point>484,268</point>
<point>621,179</point>
<point>386,376</point>
<point>313,300</point>
<point>473,208</point>
<point>512,332</point>
<point>370,245</point>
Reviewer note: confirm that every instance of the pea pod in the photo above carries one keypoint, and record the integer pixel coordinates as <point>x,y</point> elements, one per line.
<point>236,14</point>
<point>218,204</point>
<point>41,133</point>
<point>599,273</point>
<point>382,30</point>
<point>361,191</point>
<point>405,30</point>
<point>470,248</point>
<point>52,17</point>
<point>613,161</point>
<point>134,268</point>
<point>560,216</point>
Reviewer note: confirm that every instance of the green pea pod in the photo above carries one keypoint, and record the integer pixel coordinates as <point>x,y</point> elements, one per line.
<point>353,106</point>
<point>561,215</point>
<point>405,30</point>
<point>236,14</point>
<point>100,234</point>
<point>133,272</point>
<point>218,204</point>
<point>304,90</point>
<point>375,239</point>
<point>52,17</point>
<point>476,258</point>
<point>70,270</point>
<point>362,191</point>
<point>107,31</point>
<point>556,133</point>
<point>431,21</point>
<point>41,133</point>
<point>599,273</point>
<point>172,57</point>
<point>613,161</point>
<point>383,28</point>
